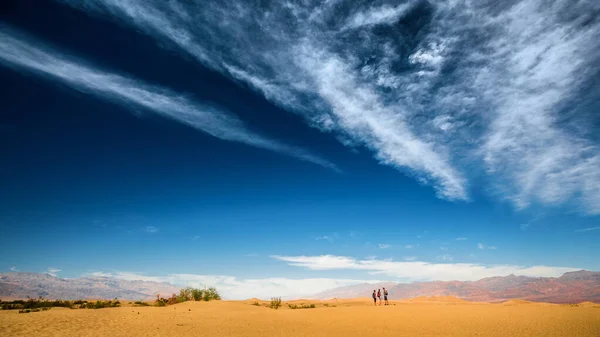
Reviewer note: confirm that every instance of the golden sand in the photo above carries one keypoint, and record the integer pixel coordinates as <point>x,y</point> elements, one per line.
<point>357,317</point>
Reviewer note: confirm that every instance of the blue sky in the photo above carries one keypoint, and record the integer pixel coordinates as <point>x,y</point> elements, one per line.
<point>292,147</point>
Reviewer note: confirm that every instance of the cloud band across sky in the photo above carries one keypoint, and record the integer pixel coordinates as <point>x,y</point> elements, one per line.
<point>377,271</point>
<point>23,53</point>
<point>410,271</point>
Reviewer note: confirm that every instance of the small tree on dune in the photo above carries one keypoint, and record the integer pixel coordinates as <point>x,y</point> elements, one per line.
<point>197,294</point>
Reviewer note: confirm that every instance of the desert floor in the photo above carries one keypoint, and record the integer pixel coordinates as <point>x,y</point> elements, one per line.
<point>445,317</point>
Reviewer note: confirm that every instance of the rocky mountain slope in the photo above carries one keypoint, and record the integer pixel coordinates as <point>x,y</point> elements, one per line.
<point>21,285</point>
<point>572,287</point>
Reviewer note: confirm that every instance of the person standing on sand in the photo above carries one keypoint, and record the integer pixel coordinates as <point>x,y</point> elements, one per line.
<point>374,298</point>
<point>379,295</point>
<point>385,295</point>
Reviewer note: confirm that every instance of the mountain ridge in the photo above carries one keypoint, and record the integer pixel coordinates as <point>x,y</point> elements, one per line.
<point>22,285</point>
<point>571,287</point>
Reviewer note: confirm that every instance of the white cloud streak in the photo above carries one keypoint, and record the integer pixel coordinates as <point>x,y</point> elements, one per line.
<point>304,70</point>
<point>482,246</point>
<point>151,229</point>
<point>589,229</point>
<point>14,269</point>
<point>379,15</point>
<point>23,53</point>
<point>52,271</point>
<point>492,89</point>
<point>408,271</point>
<point>445,257</point>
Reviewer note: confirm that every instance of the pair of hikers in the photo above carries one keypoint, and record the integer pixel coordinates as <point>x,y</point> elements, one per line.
<point>378,296</point>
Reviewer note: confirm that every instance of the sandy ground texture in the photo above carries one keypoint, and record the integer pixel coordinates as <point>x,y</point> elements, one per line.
<point>416,317</point>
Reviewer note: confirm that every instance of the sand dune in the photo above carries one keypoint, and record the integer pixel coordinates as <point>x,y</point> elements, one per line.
<point>356,317</point>
<point>437,299</point>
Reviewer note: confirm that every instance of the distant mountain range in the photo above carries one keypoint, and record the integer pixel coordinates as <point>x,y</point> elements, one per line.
<point>572,287</point>
<point>21,285</point>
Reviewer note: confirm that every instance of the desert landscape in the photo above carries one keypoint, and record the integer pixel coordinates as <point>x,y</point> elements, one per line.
<point>425,316</point>
<point>497,306</point>
<point>270,168</point>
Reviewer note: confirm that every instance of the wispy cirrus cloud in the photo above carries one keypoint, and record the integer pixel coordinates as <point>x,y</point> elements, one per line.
<point>420,271</point>
<point>14,269</point>
<point>329,237</point>
<point>52,271</point>
<point>482,246</point>
<point>445,257</point>
<point>385,14</point>
<point>384,245</point>
<point>21,52</point>
<point>303,77</point>
<point>589,229</point>
<point>151,229</point>
<point>436,99</point>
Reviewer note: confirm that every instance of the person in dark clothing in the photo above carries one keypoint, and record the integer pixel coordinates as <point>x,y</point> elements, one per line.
<point>379,295</point>
<point>374,298</point>
<point>385,295</point>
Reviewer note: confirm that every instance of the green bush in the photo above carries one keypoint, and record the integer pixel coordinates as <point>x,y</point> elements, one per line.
<point>302,306</point>
<point>256,304</point>
<point>140,303</point>
<point>103,304</point>
<point>197,294</point>
<point>35,303</point>
<point>211,294</point>
<point>275,303</point>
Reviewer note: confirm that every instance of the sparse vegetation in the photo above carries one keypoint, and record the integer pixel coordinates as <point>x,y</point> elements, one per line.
<point>186,294</point>
<point>37,304</point>
<point>256,304</point>
<point>301,306</point>
<point>103,304</point>
<point>329,305</point>
<point>275,303</point>
<point>189,294</point>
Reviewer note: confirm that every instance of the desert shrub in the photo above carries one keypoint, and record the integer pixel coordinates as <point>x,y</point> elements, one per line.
<point>302,306</point>
<point>35,303</point>
<point>140,303</point>
<point>43,304</point>
<point>173,300</point>
<point>256,304</point>
<point>102,304</point>
<point>211,294</point>
<point>275,303</point>
<point>185,294</point>
<point>188,294</point>
<point>197,294</point>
